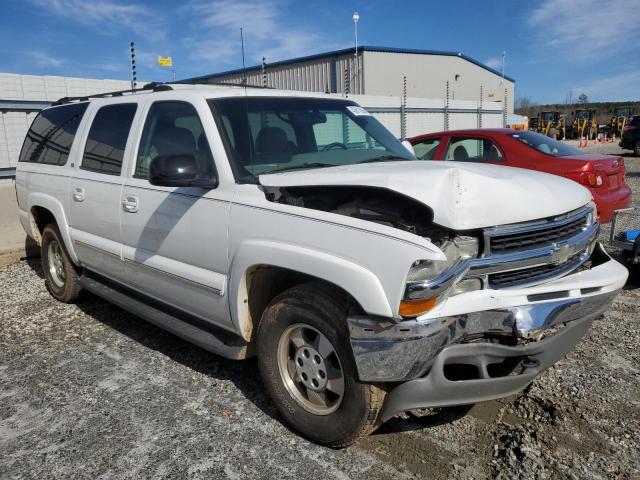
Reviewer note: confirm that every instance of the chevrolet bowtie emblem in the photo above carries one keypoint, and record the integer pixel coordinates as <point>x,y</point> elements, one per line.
<point>561,254</point>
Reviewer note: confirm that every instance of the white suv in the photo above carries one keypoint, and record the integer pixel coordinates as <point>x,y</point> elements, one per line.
<point>295,227</point>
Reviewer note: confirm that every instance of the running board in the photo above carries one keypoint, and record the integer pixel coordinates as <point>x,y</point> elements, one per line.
<point>212,339</point>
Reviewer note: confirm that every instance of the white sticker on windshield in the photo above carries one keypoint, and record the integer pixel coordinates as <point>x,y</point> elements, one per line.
<point>357,111</point>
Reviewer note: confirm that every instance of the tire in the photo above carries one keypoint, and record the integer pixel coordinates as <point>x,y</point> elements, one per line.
<point>291,327</point>
<point>60,274</point>
<point>636,148</point>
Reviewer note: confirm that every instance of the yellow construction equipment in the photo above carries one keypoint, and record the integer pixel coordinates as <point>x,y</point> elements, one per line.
<point>552,124</point>
<point>584,124</point>
<point>620,119</point>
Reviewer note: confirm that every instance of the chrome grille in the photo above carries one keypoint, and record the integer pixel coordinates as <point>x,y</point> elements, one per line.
<point>535,274</point>
<point>537,235</point>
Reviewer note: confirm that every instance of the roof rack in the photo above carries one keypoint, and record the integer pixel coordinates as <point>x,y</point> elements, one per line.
<point>153,87</point>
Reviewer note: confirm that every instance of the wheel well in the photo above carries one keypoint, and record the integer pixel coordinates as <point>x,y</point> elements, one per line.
<point>265,282</point>
<point>41,217</point>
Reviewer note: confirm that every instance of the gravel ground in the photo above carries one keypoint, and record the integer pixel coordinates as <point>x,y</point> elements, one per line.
<point>89,391</point>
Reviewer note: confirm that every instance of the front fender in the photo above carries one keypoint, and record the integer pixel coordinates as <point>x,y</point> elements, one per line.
<point>361,283</point>
<point>55,207</point>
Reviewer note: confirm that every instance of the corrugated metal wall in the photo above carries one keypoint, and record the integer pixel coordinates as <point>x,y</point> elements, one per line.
<point>327,74</point>
<point>14,123</point>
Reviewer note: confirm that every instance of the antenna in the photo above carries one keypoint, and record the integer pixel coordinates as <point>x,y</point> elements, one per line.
<point>244,68</point>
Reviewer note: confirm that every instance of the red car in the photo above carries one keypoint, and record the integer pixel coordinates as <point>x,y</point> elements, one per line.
<point>602,174</point>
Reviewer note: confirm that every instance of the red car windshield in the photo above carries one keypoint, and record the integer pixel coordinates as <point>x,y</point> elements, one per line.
<point>546,145</point>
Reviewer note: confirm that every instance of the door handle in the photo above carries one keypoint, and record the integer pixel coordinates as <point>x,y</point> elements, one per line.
<point>78,194</point>
<point>130,204</point>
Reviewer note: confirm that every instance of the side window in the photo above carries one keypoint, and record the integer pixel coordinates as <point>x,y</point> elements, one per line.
<point>426,149</point>
<point>267,128</point>
<point>227,126</point>
<point>107,138</point>
<point>465,149</point>
<point>51,135</point>
<point>173,128</point>
<point>340,129</point>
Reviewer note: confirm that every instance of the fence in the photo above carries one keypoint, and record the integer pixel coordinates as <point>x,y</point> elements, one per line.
<point>415,116</point>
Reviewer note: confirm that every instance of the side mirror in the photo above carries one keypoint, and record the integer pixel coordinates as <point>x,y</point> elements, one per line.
<point>179,171</point>
<point>407,144</point>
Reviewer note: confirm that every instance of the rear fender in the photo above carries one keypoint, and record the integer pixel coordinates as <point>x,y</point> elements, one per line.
<point>55,207</point>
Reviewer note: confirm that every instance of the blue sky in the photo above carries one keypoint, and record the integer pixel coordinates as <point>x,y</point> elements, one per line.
<point>553,47</point>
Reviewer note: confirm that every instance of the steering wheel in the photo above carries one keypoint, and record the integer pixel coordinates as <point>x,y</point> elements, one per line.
<point>333,145</point>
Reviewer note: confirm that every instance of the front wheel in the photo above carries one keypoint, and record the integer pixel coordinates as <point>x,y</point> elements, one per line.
<point>308,368</point>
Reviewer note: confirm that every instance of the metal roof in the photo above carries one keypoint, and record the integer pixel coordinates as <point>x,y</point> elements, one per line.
<point>363,48</point>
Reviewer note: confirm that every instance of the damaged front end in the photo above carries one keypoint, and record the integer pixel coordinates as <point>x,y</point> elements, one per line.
<point>543,284</point>
<point>392,209</point>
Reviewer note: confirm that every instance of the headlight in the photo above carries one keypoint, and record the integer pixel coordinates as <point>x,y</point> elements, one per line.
<point>456,249</point>
<point>592,216</point>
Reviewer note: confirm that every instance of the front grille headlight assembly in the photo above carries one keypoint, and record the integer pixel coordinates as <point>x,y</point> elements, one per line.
<point>592,216</point>
<point>430,279</point>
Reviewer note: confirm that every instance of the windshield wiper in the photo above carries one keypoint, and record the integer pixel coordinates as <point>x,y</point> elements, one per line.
<point>302,166</point>
<point>386,158</point>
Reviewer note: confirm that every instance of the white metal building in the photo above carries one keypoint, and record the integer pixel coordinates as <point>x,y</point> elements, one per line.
<point>380,71</point>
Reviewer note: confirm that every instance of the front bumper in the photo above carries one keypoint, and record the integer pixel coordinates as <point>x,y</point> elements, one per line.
<point>436,390</point>
<point>388,351</point>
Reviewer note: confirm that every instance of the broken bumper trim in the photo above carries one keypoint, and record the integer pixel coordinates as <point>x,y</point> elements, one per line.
<point>436,390</point>
<point>396,352</point>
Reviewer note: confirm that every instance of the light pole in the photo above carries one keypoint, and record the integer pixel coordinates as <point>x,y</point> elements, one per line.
<point>356,17</point>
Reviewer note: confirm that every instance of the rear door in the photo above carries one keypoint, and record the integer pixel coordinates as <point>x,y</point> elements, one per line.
<point>175,239</point>
<point>94,203</point>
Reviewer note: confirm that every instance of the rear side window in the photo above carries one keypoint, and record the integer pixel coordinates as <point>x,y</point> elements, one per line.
<point>104,150</point>
<point>426,149</point>
<point>51,135</point>
<point>465,149</point>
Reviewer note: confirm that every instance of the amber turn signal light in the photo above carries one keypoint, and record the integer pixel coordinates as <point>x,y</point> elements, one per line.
<point>413,308</point>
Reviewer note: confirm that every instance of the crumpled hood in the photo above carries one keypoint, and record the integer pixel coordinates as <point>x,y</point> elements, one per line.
<point>462,196</point>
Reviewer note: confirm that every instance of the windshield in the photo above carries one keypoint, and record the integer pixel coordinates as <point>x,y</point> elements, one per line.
<point>271,134</point>
<point>545,144</point>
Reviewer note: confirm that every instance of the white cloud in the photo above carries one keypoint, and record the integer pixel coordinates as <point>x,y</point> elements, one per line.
<point>106,16</point>
<point>44,60</point>
<point>494,62</point>
<point>623,86</point>
<point>582,30</point>
<point>266,32</point>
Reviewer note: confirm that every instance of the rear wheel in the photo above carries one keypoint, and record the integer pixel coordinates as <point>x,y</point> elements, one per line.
<point>308,368</point>
<point>61,277</point>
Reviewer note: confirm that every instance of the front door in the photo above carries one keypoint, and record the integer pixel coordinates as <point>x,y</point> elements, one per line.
<point>175,239</point>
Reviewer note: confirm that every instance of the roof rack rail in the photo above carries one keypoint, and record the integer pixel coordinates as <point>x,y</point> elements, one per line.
<point>153,86</point>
